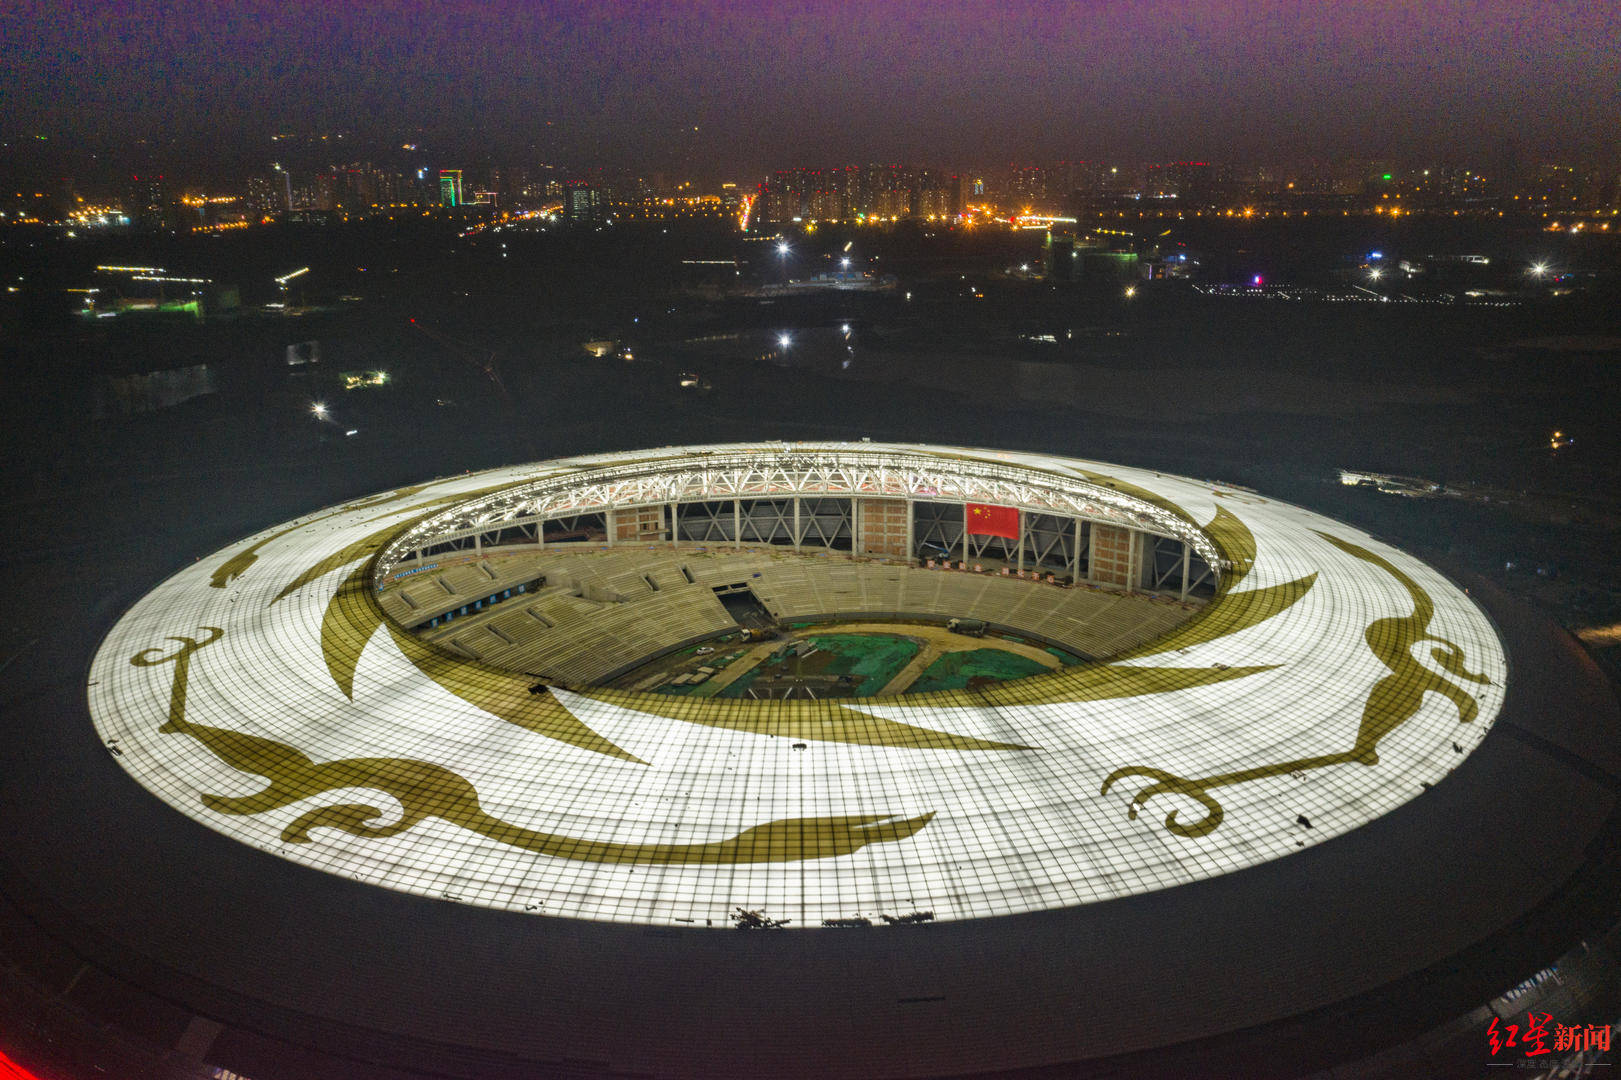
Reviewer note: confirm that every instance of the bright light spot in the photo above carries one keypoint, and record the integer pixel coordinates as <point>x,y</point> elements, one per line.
<point>784,340</point>
<point>1024,268</point>
<point>845,328</point>
<point>782,249</point>
<point>319,409</point>
<point>1131,290</point>
<point>1373,275</point>
<point>1538,269</point>
<point>844,263</point>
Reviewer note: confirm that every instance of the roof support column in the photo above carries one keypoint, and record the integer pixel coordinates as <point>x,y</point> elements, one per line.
<point>798,536</point>
<point>1020,531</point>
<point>737,522</point>
<point>911,531</point>
<point>1187,563</point>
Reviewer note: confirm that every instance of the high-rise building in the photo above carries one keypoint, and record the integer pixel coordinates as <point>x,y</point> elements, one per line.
<point>893,203</point>
<point>450,187</point>
<point>826,205</point>
<point>583,202</point>
<point>326,190</point>
<point>934,202</point>
<point>1027,187</point>
<point>267,194</point>
<point>148,204</point>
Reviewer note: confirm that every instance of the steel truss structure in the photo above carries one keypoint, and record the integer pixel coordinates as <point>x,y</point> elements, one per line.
<point>770,492</point>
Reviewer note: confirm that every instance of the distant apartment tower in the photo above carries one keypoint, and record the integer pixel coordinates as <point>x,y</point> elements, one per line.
<point>583,202</point>
<point>892,203</point>
<point>450,187</point>
<point>789,194</point>
<point>936,195</point>
<point>880,191</point>
<point>936,203</point>
<point>826,205</point>
<point>147,203</point>
<point>1027,187</point>
<point>268,194</point>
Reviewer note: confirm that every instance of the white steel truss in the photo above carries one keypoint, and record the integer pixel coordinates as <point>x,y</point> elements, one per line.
<point>768,472</point>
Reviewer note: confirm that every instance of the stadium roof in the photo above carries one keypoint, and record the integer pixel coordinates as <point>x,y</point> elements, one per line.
<point>1332,680</point>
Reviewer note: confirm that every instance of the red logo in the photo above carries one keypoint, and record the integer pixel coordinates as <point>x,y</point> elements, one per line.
<point>1532,1038</point>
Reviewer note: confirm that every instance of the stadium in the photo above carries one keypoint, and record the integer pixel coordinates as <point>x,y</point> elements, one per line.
<point>1026,761</point>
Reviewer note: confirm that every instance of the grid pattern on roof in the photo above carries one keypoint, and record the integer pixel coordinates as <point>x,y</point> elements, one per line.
<point>234,693</point>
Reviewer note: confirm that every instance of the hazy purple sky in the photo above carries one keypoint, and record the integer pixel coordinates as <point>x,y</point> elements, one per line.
<point>768,83</point>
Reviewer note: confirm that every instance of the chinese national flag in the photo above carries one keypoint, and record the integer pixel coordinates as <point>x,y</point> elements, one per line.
<point>986,520</point>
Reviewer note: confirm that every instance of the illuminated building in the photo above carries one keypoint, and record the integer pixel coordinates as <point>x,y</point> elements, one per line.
<point>681,526</point>
<point>583,202</point>
<point>1027,186</point>
<point>326,818</point>
<point>825,205</point>
<point>935,202</point>
<point>450,187</point>
<point>267,194</point>
<point>890,203</point>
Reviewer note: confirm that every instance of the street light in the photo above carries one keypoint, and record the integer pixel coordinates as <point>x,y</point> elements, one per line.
<point>318,410</point>
<point>782,257</point>
<point>1539,269</point>
<point>784,340</point>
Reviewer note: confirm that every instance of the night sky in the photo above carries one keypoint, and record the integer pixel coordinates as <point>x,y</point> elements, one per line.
<point>768,84</point>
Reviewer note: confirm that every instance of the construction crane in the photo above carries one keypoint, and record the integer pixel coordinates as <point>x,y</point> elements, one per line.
<point>461,352</point>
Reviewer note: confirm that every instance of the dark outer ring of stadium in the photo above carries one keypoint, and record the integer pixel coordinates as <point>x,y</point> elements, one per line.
<point>118,913</point>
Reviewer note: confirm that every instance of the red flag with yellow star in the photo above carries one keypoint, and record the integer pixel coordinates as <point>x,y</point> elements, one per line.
<point>986,520</point>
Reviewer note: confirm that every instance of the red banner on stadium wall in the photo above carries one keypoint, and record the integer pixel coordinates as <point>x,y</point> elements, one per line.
<point>986,520</point>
